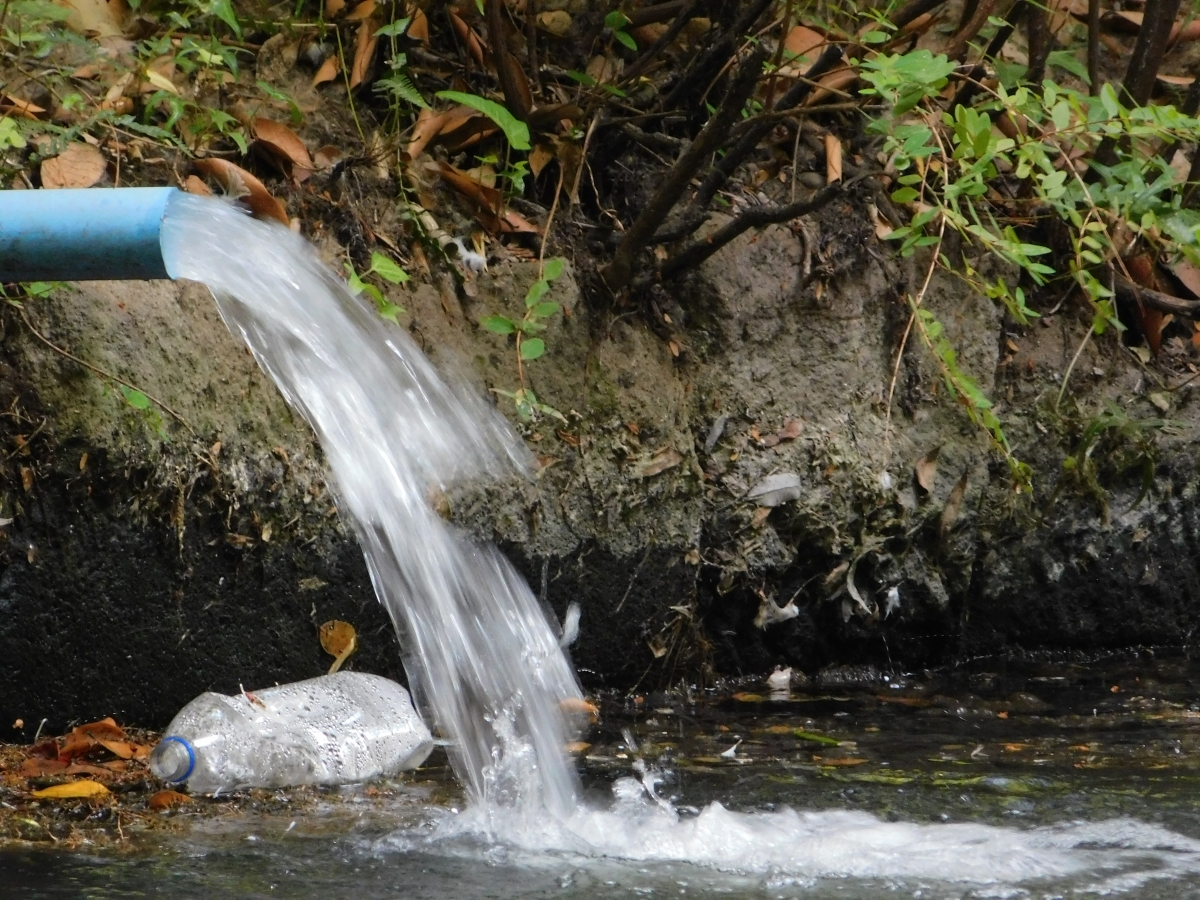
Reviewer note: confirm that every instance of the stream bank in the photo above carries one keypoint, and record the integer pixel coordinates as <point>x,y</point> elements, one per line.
<point>154,554</point>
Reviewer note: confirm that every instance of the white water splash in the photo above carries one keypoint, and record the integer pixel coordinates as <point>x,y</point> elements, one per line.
<point>478,649</point>
<point>481,654</point>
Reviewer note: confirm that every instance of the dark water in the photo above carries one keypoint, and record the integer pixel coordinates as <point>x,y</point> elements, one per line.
<point>1091,772</point>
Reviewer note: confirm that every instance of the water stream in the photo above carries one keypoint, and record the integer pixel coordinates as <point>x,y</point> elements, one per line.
<point>485,663</point>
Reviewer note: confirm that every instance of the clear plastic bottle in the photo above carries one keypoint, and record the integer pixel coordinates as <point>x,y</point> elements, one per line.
<point>336,729</point>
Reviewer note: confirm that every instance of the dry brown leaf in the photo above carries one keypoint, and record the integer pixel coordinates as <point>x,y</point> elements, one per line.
<point>926,469</point>
<point>953,506</point>
<point>125,749</point>
<point>803,42</point>
<point>837,80</point>
<point>285,146</point>
<point>93,17</point>
<point>472,41</point>
<point>239,184</point>
<point>364,53</point>
<point>1188,275</point>
<point>27,478</point>
<point>327,157</point>
<point>557,22</point>
<point>194,185</point>
<point>333,7</point>
<point>72,790</point>
<point>330,69</point>
<point>539,157</point>
<point>84,737</point>
<point>418,28</point>
<point>1176,80</point>
<point>339,640</point>
<point>833,159</point>
<point>362,11</point>
<point>659,461</point>
<point>838,761</point>
<point>35,767</point>
<point>10,105</point>
<point>575,748</point>
<point>488,201</point>
<point>579,705</point>
<point>79,166</point>
<point>168,800</point>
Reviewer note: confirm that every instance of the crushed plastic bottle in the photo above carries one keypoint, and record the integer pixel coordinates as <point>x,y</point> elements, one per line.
<point>337,729</point>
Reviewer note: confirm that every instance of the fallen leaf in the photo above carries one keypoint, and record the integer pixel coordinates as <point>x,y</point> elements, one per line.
<point>577,747</point>
<point>125,749</point>
<point>339,640</point>
<point>469,38</point>
<point>195,185</point>
<point>364,53</point>
<point>168,800</point>
<point>775,490</point>
<point>72,790</point>
<point>23,108</point>
<point>557,22</point>
<point>84,737</point>
<point>837,80</point>
<point>79,166</point>
<point>36,767</point>
<point>327,157</point>
<point>418,28</point>
<point>657,463</point>
<point>838,761</point>
<point>539,156</point>
<point>239,184</point>
<point>93,17</point>
<point>926,469</point>
<point>579,705</point>
<point>362,11</point>
<point>953,506</point>
<point>803,42</point>
<point>330,69</point>
<point>1188,274</point>
<point>27,478</point>
<point>833,159</point>
<point>284,146</point>
<point>157,81</point>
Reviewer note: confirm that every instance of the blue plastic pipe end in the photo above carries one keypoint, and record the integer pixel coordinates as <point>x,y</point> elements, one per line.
<point>95,234</point>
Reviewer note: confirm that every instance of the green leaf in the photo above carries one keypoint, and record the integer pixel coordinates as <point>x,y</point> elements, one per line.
<point>353,281</point>
<point>537,291</point>
<point>626,38</point>
<point>904,195</point>
<point>545,310</point>
<point>10,136</point>
<point>386,269</point>
<point>396,29</point>
<point>553,268</point>
<point>532,348</point>
<point>223,10</point>
<point>516,131</point>
<point>616,20</point>
<point>390,311</point>
<point>498,324</point>
<point>1069,62</point>
<point>134,398</point>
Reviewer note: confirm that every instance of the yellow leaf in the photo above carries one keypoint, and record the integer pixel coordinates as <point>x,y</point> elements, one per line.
<point>339,640</point>
<point>161,81</point>
<point>71,790</point>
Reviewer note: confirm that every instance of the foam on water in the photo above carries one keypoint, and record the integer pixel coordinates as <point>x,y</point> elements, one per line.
<point>480,653</point>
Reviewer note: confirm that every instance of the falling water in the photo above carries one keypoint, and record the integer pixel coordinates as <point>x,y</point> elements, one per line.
<point>481,654</point>
<point>479,651</point>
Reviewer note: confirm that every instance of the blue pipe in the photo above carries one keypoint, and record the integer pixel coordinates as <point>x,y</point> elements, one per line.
<point>96,234</point>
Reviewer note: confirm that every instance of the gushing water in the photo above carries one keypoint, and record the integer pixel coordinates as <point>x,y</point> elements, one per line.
<point>480,653</point>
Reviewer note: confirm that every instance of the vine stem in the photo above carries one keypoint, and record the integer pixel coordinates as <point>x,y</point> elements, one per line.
<point>103,374</point>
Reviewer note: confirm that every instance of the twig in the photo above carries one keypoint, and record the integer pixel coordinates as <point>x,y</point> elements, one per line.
<point>751,138</point>
<point>643,62</point>
<point>103,374</point>
<point>618,273</point>
<point>755,217</point>
<point>1144,296</point>
<point>958,44</point>
<point>716,55</point>
<point>1143,66</point>
<point>550,219</point>
<point>967,92</point>
<point>912,11</point>
<point>508,68</point>
<point>1093,47</point>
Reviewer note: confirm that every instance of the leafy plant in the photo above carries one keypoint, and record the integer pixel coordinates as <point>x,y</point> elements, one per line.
<point>386,269</point>
<point>527,343</point>
<point>617,21</point>
<point>139,401</point>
